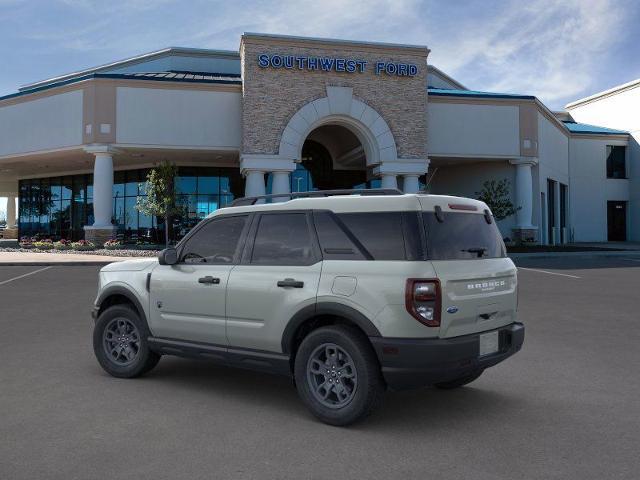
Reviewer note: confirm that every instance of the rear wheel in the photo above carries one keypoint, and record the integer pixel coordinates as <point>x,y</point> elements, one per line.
<point>459,382</point>
<point>337,375</point>
<point>120,343</point>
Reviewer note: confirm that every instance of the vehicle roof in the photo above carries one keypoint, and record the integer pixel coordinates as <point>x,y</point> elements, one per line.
<point>361,203</point>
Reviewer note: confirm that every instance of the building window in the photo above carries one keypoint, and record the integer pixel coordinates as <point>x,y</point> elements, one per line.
<point>564,199</point>
<point>551,209</point>
<point>202,191</point>
<point>54,207</point>
<point>616,164</point>
<point>60,207</point>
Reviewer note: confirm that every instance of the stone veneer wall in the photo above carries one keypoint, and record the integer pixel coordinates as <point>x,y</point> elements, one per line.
<point>9,233</point>
<point>272,96</point>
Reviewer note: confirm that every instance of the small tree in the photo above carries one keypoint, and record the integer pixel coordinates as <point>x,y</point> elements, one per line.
<point>160,200</point>
<point>496,195</point>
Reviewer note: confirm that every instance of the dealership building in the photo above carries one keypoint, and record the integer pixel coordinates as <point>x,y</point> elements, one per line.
<point>289,114</point>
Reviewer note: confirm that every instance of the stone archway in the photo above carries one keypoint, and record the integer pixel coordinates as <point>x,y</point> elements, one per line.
<point>339,107</point>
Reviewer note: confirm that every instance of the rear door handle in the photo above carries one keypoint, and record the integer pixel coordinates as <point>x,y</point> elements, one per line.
<point>290,282</point>
<point>209,279</point>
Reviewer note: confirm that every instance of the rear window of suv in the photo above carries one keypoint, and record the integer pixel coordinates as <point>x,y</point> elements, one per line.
<point>462,236</point>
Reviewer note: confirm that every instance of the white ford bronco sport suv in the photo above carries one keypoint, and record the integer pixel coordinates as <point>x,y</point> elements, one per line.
<point>347,293</point>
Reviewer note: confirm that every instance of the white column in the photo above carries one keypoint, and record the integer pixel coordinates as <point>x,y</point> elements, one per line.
<point>389,181</point>
<point>11,212</point>
<point>254,185</point>
<point>524,193</point>
<point>411,183</point>
<point>103,189</point>
<point>402,171</point>
<point>281,184</point>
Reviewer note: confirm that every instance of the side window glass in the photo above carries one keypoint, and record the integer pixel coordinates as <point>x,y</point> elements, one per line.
<point>379,232</point>
<point>413,241</point>
<point>334,242</point>
<point>216,242</point>
<point>283,239</point>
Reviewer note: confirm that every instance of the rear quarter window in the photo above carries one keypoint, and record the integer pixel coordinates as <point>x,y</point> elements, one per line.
<point>384,235</point>
<point>462,236</point>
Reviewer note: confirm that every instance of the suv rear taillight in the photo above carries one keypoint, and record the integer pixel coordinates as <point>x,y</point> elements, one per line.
<point>422,299</point>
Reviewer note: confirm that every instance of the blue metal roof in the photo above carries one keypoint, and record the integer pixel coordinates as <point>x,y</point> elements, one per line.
<point>179,75</point>
<point>188,77</point>
<point>444,92</point>
<point>575,127</point>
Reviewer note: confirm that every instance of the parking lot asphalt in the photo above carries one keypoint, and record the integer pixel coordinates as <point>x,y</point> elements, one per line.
<point>567,406</point>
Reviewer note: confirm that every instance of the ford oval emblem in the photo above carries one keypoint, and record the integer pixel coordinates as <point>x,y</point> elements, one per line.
<point>452,309</point>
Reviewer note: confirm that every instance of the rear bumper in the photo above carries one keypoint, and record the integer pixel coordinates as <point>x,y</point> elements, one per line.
<point>416,362</point>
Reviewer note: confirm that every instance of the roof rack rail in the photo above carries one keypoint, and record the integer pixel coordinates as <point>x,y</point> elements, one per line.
<point>244,201</point>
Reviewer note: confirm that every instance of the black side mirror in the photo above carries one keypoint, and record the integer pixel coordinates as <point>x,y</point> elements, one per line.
<point>168,256</point>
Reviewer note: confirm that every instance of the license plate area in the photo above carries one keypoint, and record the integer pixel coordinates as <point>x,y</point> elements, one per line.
<point>489,343</point>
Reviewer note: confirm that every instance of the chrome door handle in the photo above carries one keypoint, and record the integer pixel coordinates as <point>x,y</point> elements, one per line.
<point>209,280</point>
<point>290,282</point>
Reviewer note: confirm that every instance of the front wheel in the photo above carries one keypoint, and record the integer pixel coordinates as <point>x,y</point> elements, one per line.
<point>120,343</point>
<point>337,375</point>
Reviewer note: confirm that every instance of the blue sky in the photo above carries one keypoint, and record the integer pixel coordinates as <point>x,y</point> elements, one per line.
<point>556,50</point>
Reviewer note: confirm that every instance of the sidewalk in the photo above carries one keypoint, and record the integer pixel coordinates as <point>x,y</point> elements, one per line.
<point>635,254</point>
<point>615,249</point>
<point>37,259</point>
<point>616,245</point>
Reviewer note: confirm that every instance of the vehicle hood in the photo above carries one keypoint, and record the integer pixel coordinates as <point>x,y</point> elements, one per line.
<point>134,265</point>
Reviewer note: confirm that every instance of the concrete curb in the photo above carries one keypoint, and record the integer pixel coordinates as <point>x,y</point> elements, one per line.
<point>617,253</point>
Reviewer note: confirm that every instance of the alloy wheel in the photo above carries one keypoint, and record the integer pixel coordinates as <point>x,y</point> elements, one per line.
<point>332,376</point>
<point>121,341</point>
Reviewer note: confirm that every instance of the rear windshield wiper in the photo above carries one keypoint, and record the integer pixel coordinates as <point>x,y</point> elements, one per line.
<point>480,251</point>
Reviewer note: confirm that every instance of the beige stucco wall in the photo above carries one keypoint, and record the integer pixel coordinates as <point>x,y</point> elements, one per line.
<point>50,122</point>
<point>619,110</point>
<point>272,96</point>
<point>473,129</point>
<point>178,117</point>
<point>590,189</point>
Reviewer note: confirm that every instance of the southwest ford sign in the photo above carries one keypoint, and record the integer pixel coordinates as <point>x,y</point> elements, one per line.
<point>333,64</point>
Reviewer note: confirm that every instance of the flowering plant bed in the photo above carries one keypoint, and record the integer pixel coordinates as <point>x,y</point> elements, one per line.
<point>43,244</point>
<point>112,248</point>
<point>102,252</point>
<point>113,244</point>
<point>62,245</point>
<point>83,245</point>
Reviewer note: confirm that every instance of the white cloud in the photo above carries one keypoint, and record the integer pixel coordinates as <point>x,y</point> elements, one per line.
<point>542,47</point>
<point>547,48</point>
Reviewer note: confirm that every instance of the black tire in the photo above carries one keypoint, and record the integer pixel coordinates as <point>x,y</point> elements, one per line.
<point>458,382</point>
<point>350,346</point>
<point>138,359</point>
